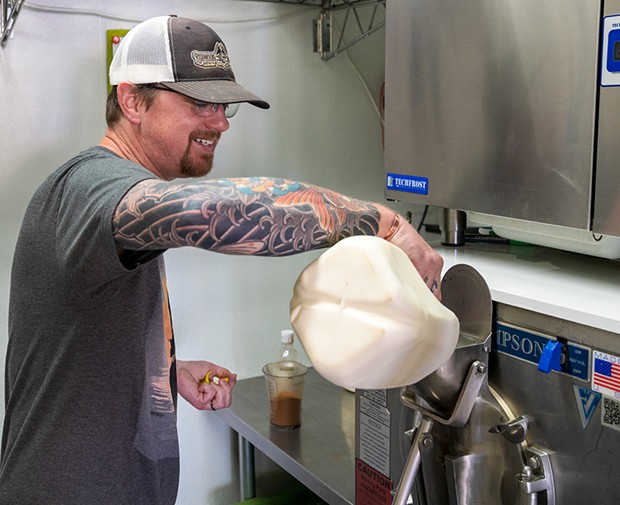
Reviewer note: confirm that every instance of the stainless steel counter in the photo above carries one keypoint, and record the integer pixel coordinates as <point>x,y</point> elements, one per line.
<point>569,286</point>
<point>320,453</point>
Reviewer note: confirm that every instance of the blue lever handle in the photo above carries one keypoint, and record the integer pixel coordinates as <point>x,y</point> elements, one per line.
<point>551,358</point>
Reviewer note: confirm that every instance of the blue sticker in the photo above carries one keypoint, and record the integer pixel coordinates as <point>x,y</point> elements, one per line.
<point>613,51</point>
<point>587,401</point>
<point>407,183</point>
<point>529,346</point>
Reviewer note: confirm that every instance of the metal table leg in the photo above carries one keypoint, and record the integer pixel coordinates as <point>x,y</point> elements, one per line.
<point>247,477</point>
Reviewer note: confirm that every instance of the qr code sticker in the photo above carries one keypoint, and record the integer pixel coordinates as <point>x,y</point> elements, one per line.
<point>611,413</point>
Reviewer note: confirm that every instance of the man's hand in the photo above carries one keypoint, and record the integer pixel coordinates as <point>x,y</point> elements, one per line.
<point>425,259</point>
<point>203,394</point>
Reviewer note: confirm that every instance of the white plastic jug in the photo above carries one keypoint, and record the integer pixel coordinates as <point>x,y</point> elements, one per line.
<point>367,320</point>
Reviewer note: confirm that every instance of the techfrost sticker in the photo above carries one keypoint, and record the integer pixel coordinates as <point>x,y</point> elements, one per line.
<point>407,183</point>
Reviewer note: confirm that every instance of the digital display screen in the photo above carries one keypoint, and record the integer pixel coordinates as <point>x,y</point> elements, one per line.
<point>616,55</point>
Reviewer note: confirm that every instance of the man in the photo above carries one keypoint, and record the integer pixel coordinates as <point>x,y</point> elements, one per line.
<point>91,377</point>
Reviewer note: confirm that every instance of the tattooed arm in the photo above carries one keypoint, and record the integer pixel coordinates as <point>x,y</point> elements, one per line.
<point>257,216</point>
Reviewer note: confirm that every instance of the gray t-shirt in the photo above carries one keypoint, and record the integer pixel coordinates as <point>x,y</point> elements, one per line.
<point>90,376</point>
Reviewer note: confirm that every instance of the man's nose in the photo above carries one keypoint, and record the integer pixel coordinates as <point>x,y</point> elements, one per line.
<point>219,121</point>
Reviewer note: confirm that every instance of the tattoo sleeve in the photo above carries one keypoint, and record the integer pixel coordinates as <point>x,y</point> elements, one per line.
<point>255,215</point>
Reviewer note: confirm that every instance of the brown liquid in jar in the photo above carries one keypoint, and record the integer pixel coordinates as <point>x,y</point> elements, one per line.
<point>287,410</point>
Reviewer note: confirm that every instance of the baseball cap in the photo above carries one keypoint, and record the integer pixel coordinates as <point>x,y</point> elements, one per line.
<point>181,54</point>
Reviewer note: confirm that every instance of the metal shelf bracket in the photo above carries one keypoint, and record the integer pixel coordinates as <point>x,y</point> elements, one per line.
<point>360,18</point>
<point>357,19</point>
<point>9,10</point>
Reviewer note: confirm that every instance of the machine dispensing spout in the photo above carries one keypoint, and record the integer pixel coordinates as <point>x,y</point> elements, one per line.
<point>514,430</point>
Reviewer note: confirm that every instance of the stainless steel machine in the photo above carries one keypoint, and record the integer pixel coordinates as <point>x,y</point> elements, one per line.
<point>515,417</point>
<point>508,110</point>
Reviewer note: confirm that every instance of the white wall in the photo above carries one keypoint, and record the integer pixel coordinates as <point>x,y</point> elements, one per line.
<point>321,129</point>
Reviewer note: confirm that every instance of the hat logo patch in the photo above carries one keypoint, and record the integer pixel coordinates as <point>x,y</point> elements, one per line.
<point>218,58</point>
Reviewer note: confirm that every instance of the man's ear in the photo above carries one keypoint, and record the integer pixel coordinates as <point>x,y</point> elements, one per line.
<point>128,102</point>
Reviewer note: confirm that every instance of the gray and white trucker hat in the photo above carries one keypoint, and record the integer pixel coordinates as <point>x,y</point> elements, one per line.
<point>182,54</point>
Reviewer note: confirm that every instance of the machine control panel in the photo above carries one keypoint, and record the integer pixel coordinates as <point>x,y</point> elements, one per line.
<point>610,64</point>
<point>545,351</point>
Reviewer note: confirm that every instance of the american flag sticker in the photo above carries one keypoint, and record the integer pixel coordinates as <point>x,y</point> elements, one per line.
<point>606,374</point>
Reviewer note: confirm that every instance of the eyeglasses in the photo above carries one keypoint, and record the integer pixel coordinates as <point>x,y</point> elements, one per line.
<point>203,109</point>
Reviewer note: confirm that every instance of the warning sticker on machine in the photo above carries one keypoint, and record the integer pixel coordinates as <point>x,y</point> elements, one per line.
<point>374,435</point>
<point>371,487</point>
<point>379,396</point>
<point>606,374</point>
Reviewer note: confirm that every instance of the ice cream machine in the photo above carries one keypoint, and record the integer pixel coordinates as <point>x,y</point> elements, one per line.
<point>527,411</point>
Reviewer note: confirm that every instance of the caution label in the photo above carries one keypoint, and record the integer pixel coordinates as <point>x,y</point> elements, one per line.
<point>374,434</point>
<point>371,486</point>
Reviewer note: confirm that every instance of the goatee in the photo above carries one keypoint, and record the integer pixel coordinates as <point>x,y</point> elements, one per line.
<point>200,168</point>
<point>201,165</point>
